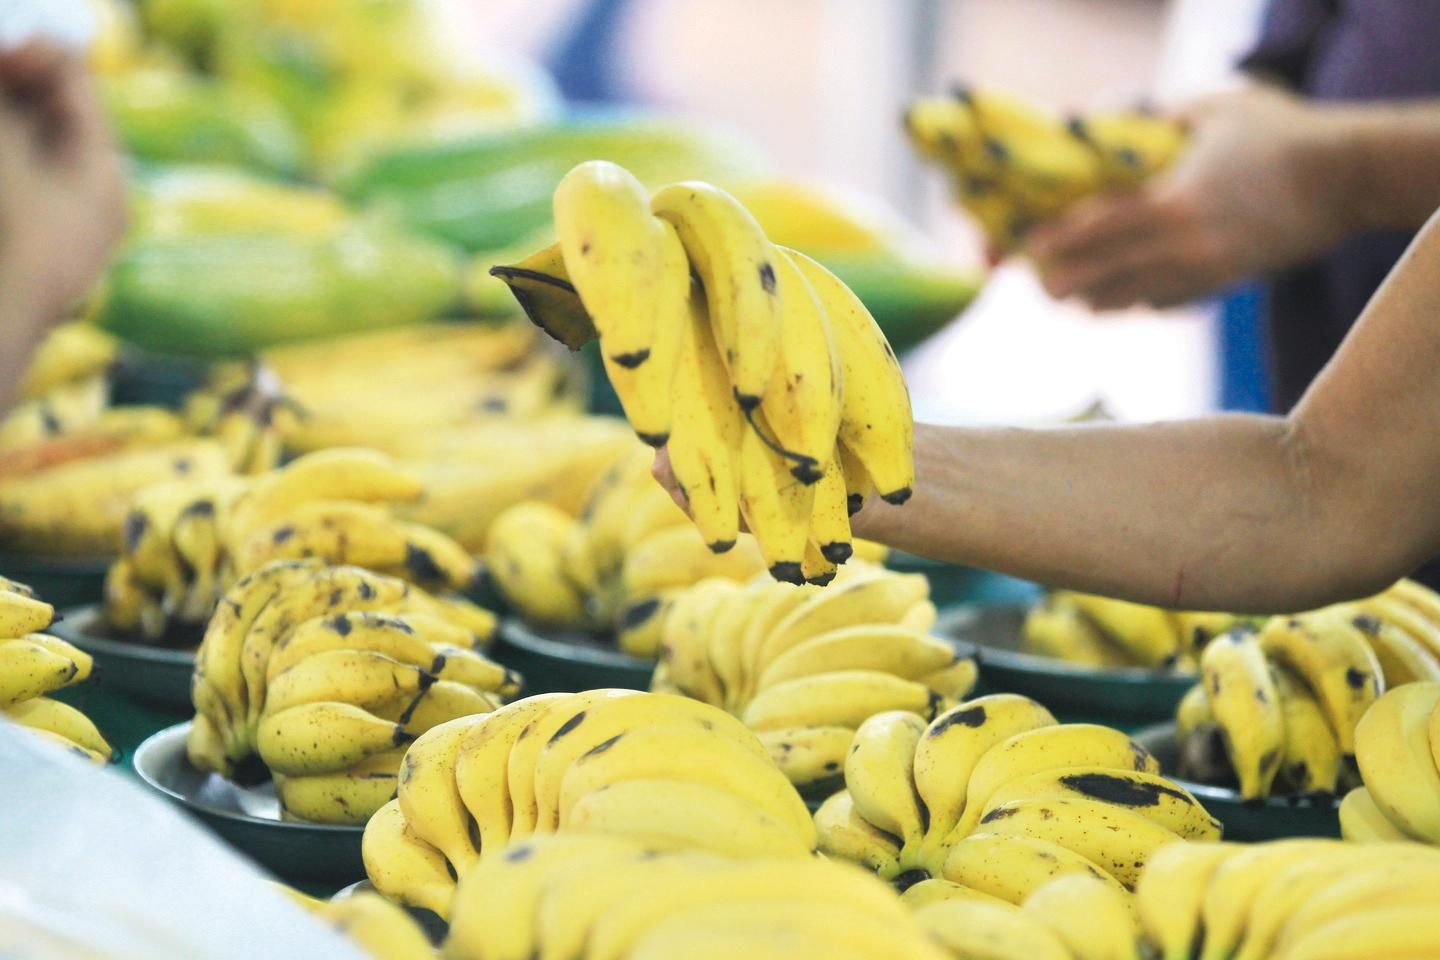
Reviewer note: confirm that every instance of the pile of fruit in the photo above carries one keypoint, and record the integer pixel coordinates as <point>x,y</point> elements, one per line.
<point>805,666</point>
<point>1397,749</point>
<point>1278,705</point>
<point>767,372</point>
<point>1096,631</point>
<point>664,772</point>
<point>327,672</point>
<point>33,664</point>
<point>1013,166</point>
<point>995,795</point>
<point>188,541</point>
<point>382,929</point>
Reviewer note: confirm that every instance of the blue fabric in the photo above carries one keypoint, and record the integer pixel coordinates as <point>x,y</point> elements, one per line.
<point>1243,350</point>
<point>583,61</point>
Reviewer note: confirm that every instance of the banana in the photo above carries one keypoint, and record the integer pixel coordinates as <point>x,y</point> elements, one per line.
<point>874,596</point>
<point>1392,747</point>
<point>149,537</point>
<point>359,677</point>
<point>541,286</point>
<point>1193,712</point>
<point>1418,626</point>
<point>1384,884</point>
<point>685,641</point>
<point>1055,627</point>
<point>1402,658</point>
<point>1362,820</point>
<point>1246,704</point>
<point>434,560</point>
<point>21,614</point>
<point>1332,657</point>
<point>84,663</point>
<point>876,425</point>
<point>1285,891</point>
<point>482,766</point>
<point>678,557</point>
<point>953,745</point>
<point>1196,628</point>
<point>441,702</point>
<point>1147,634</point>
<point>1225,908</point>
<point>675,815</point>
<point>690,755</point>
<point>348,796</point>
<point>776,603</point>
<point>814,568</point>
<point>1012,867</point>
<point>737,266</point>
<point>1155,798</point>
<point>1171,892</point>
<point>592,726</point>
<point>495,904</point>
<point>429,797</point>
<point>70,352</point>
<point>1311,763</point>
<point>476,621</point>
<point>1053,749</point>
<point>1131,146</point>
<point>858,485</point>
<point>845,835</point>
<point>955,682</point>
<point>776,506</point>
<point>879,775</point>
<point>1117,839</point>
<point>808,755</point>
<point>404,868</point>
<point>1092,919</point>
<point>889,649</point>
<point>129,607</point>
<point>29,669</point>
<point>14,586</point>
<point>936,890</point>
<point>336,531</point>
<point>65,743</point>
<point>920,617</point>
<point>1417,596</point>
<point>197,544</point>
<point>1398,931</point>
<point>726,632</point>
<point>640,626</point>
<point>42,713</point>
<point>842,698</point>
<point>830,534</point>
<point>526,749</point>
<point>377,926</point>
<point>324,737</point>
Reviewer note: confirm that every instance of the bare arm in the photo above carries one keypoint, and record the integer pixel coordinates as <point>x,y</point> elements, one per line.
<point>1245,513</point>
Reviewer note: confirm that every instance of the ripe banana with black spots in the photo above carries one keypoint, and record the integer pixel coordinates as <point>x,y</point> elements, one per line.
<point>428,794</point>
<point>808,755</point>
<point>1092,918</point>
<point>1147,634</point>
<point>348,796</point>
<point>402,867</point>
<point>1171,892</point>
<point>879,775</point>
<point>1012,867</point>
<point>1155,798</point>
<point>843,698</point>
<point>62,720</point>
<point>1330,654</point>
<point>22,614</point>
<point>1312,762</point>
<point>845,835</point>
<point>1246,705</point>
<point>324,737</point>
<point>35,664</point>
<point>482,766</point>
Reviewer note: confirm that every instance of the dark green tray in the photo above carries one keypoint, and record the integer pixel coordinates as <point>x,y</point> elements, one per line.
<point>59,581</point>
<point>567,661</point>
<point>247,818</point>
<point>1247,820</point>
<point>1122,693</point>
<point>156,675</point>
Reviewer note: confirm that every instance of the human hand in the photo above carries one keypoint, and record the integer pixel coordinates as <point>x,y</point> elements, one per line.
<point>1256,190</point>
<point>61,191</point>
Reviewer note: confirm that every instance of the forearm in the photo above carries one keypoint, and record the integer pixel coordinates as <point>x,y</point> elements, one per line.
<point>1381,159</point>
<point>1221,513</point>
<point>21,330</point>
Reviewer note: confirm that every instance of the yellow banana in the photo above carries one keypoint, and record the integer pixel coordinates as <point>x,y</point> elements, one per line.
<point>879,775</point>
<point>324,737</point>
<point>402,867</point>
<point>776,506</point>
<point>348,796</point>
<point>42,713</point>
<point>1246,705</point>
<point>1155,798</point>
<point>1311,762</point>
<point>1012,867</point>
<point>1392,747</point>
<point>429,797</point>
<point>842,698</point>
<point>1171,892</point>
<point>889,649</point>
<point>808,755</point>
<point>1147,634</point>
<point>1092,918</point>
<point>1330,654</point>
<point>482,766</point>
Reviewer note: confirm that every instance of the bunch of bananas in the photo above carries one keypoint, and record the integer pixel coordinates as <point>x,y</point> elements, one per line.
<point>666,772</point>
<point>804,667</point>
<point>188,541</point>
<point>1013,165</point>
<point>995,795</point>
<point>244,407</point>
<point>1397,747</point>
<point>1303,899</point>
<point>381,929</point>
<point>586,897</point>
<point>1278,706</point>
<point>33,664</point>
<point>327,672</point>
<point>1096,631</point>
<point>774,391</point>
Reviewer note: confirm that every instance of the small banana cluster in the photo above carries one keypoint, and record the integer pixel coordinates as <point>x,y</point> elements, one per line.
<point>245,408</point>
<point>1397,747</point>
<point>1301,899</point>
<point>378,927</point>
<point>33,664</point>
<point>803,666</point>
<point>574,896</point>
<point>395,389</point>
<point>327,672</point>
<point>768,382</point>
<point>1013,166</point>
<point>663,771</point>
<point>187,541</point>
<point>995,795</point>
<point>1096,631</point>
<point>1278,705</point>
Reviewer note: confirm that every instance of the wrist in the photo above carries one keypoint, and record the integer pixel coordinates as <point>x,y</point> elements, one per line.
<point>1343,159</point>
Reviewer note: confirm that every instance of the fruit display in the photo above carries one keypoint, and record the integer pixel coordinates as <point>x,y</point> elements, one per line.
<point>1278,706</point>
<point>805,666</point>
<point>326,673</point>
<point>1094,631</point>
<point>33,664</point>
<point>1013,165</point>
<point>1397,749</point>
<point>591,897</point>
<point>995,795</point>
<point>187,541</point>
<point>195,200</point>
<point>1299,899</point>
<point>382,930</point>
<point>655,770</point>
<point>693,365</point>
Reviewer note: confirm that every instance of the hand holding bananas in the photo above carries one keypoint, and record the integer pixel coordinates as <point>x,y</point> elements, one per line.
<point>772,388</point>
<point>33,664</point>
<point>327,672</point>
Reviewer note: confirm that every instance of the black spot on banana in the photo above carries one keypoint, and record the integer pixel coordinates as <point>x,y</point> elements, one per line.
<point>908,879</point>
<point>631,360</point>
<point>999,813</point>
<point>340,624</point>
<point>1120,790</point>
<point>568,727</point>
<point>972,717</point>
<point>602,746</point>
<point>637,613</point>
